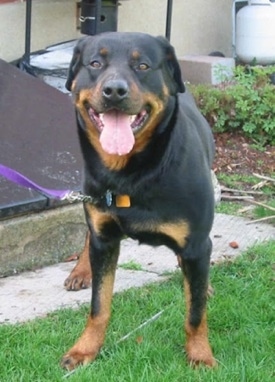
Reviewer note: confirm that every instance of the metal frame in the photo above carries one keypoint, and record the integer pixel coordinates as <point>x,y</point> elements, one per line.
<point>25,61</point>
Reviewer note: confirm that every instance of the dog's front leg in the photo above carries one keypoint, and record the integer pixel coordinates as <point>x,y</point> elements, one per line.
<point>196,269</point>
<point>87,347</point>
<point>104,253</point>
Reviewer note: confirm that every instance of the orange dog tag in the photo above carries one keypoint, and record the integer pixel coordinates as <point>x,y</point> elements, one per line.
<point>123,201</point>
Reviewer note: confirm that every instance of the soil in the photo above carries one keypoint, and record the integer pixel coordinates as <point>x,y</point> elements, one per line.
<point>236,154</point>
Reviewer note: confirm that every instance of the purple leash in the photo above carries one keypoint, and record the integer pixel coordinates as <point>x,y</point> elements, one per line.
<point>21,180</point>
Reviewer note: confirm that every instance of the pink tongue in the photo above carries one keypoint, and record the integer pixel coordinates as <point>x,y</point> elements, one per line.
<point>117,136</point>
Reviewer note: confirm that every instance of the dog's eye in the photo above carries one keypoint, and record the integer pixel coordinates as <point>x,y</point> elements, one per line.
<point>96,64</point>
<point>143,66</point>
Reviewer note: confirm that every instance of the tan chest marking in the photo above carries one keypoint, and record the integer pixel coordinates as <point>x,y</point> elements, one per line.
<point>98,218</point>
<point>177,231</point>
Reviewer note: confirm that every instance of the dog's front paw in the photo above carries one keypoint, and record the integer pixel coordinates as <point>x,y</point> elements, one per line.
<point>87,346</point>
<point>199,352</point>
<point>75,358</point>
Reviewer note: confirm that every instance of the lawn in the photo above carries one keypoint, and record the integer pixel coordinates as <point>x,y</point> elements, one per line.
<point>241,317</point>
<point>248,209</point>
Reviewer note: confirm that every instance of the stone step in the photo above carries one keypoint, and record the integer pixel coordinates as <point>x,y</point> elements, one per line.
<point>198,69</point>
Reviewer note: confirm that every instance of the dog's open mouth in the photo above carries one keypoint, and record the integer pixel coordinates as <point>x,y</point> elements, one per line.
<point>117,129</point>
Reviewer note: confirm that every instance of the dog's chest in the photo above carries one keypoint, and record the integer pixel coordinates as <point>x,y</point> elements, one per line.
<point>153,227</point>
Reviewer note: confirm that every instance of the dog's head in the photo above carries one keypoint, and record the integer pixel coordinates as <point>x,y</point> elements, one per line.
<point>122,83</point>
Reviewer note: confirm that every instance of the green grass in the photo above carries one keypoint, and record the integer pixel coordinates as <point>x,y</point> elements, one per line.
<point>261,212</point>
<point>241,319</point>
<point>228,208</point>
<point>245,182</point>
<point>131,266</point>
<point>237,181</point>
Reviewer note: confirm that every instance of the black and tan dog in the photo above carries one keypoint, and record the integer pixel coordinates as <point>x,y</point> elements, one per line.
<point>147,152</point>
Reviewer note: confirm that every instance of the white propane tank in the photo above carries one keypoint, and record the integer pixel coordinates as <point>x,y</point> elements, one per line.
<point>255,32</point>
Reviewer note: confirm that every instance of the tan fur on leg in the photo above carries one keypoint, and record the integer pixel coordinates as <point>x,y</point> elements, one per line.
<point>197,344</point>
<point>81,275</point>
<point>89,344</point>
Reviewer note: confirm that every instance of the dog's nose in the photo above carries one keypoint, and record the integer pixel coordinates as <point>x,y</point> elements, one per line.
<point>115,90</point>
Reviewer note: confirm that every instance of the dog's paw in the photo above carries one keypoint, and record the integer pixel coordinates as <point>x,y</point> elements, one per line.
<point>73,359</point>
<point>87,346</point>
<point>200,353</point>
<point>78,279</point>
<point>206,361</point>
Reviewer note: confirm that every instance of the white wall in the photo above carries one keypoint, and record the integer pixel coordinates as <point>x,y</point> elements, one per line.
<point>198,26</point>
<point>53,21</point>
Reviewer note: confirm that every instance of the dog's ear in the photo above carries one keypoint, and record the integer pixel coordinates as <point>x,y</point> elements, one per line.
<point>172,64</point>
<point>75,63</point>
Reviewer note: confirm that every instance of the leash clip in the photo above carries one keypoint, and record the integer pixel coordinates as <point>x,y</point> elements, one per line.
<point>75,196</point>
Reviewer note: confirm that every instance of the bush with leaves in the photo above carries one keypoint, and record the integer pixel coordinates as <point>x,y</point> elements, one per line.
<point>245,103</point>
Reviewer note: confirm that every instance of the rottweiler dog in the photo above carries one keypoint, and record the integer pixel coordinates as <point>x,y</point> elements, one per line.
<point>147,156</point>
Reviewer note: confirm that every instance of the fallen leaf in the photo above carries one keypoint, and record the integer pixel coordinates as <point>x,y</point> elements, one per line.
<point>139,339</point>
<point>234,244</point>
<point>73,257</point>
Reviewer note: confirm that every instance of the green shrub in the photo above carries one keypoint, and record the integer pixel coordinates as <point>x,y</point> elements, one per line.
<point>245,103</point>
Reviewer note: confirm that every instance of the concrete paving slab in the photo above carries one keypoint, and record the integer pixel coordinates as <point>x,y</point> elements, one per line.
<point>34,294</point>
<point>227,229</point>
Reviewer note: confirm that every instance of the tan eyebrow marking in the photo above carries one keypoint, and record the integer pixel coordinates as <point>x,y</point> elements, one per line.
<point>104,52</point>
<point>135,55</point>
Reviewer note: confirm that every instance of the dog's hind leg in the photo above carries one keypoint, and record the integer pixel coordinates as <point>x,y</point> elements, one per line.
<point>195,269</point>
<point>80,276</point>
